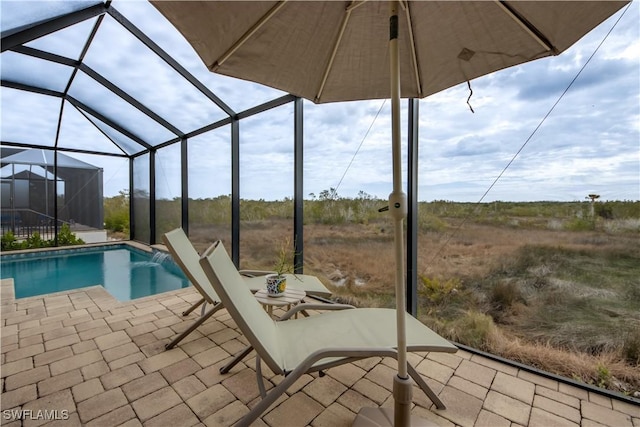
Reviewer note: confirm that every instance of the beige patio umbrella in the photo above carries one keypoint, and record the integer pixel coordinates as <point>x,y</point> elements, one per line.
<point>329,51</point>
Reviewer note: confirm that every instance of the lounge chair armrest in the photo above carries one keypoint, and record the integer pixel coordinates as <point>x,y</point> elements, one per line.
<point>254,273</point>
<point>312,306</point>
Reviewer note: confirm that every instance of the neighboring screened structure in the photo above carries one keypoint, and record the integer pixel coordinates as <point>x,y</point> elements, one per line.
<point>36,185</point>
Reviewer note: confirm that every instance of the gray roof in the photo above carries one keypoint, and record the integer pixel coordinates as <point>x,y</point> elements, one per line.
<point>35,156</point>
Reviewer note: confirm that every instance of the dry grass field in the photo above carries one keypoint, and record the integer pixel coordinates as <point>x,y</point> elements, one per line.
<point>567,302</point>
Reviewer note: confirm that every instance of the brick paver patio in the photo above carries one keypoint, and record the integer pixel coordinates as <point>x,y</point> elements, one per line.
<point>84,358</point>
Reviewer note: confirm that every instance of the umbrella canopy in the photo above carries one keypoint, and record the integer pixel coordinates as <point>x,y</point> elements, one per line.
<point>333,51</point>
<point>339,50</point>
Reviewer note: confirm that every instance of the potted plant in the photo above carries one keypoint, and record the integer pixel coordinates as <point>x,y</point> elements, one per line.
<point>277,281</point>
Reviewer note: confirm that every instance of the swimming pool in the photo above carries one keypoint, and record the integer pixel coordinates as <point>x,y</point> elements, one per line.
<point>126,272</point>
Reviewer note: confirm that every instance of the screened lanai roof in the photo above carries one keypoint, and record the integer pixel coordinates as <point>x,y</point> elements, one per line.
<point>81,76</point>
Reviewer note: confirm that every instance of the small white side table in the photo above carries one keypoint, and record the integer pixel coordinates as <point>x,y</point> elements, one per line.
<point>290,297</point>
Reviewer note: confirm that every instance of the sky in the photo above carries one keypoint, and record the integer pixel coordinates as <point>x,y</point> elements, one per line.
<point>557,147</point>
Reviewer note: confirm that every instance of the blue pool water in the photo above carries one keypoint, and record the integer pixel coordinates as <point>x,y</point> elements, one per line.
<point>127,273</point>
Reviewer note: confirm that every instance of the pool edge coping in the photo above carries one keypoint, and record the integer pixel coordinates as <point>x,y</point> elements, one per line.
<point>132,243</point>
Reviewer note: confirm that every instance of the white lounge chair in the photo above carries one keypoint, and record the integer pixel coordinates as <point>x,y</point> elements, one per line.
<point>297,346</point>
<point>186,256</point>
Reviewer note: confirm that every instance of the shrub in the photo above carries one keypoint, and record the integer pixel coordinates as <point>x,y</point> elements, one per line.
<point>429,222</point>
<point>631,348</point>
<point>604,210</point>
<point>473,329</point>
<point>9,241</point>
<point>504,294</point>
<point>436,290</point>
<point>117,222</point>
<point>580,224</point>
<point>527,258</point>
<point>603,376</point>
<point>116,212</point>
<point>35,241</point>
<point>506,302</point>
<point>67,238</point>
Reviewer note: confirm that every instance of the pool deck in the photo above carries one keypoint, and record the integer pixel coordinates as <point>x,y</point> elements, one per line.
<point>84,356</point>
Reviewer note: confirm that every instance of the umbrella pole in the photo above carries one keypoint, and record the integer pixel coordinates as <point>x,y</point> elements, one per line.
<point>402,384</point>
<point>402,389</point>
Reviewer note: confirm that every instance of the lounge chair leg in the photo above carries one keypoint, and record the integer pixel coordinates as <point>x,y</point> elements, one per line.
<point>191,328</point>
<point>263,391</point>
<point>193,307</point>
<point>423,385</point>
<point>268,400</point>
<point>237,358</point>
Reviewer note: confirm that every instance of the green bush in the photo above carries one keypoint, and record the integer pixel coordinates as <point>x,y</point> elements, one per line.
<point>430,222</point>
<point>67,238</point>
<point>437,291</point>
<point>580,224</point>
<point>603,375</point>
<point>9,241</point>
<point>35,241</point>
<point>116,212</point>
<point>604,210</point>
<point>473,329</point>
<point>117,222</point>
